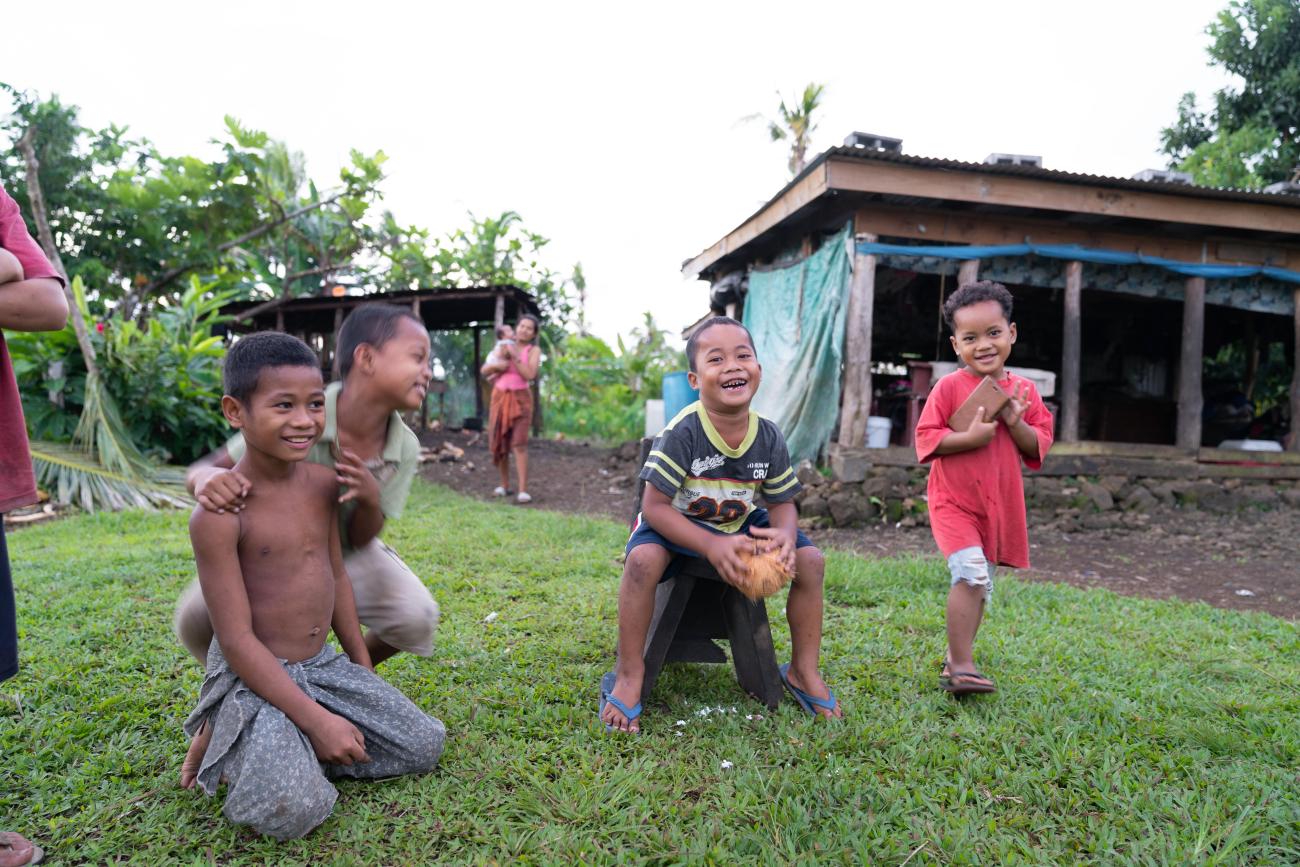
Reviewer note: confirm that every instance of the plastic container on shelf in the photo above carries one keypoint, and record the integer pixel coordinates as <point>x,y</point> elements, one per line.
<point>1251,445</point>
<point>878,431</point>
<point>678,394</point>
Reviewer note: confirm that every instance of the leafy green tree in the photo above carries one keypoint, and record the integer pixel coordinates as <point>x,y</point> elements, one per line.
<point>794,123</point>
<point>1251,135</point>
<point>133,222</point>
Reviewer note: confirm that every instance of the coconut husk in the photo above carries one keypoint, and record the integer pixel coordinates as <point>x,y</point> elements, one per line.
<point>765,573</point>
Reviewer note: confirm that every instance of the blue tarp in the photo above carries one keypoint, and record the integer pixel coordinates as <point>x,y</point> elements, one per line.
<point>1084,254</point>
<point>796,315</point>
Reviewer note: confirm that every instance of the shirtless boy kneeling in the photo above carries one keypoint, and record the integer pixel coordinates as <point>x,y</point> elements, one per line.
<point>281,712</point>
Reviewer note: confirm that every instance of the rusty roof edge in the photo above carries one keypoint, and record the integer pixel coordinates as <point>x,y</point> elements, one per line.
<point>694,266</point>
<point>689,267</point>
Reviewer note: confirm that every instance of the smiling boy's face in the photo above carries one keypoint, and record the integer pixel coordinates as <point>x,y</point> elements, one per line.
<point>285,414</point>
<point>400,367</point>
<point>727,371</point>
<point>982,337</point>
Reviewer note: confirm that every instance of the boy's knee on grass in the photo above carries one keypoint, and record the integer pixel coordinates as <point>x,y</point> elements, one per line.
<point>191,622</point>
<point>414,632</point>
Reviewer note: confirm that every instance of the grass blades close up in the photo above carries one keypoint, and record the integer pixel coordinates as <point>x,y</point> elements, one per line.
<point>1126,730</point>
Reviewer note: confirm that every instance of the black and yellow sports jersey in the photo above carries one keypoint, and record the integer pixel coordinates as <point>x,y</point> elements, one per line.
<point>713,483</point>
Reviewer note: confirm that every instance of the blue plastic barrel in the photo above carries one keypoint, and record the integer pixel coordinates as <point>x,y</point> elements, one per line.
<point>678,394</point>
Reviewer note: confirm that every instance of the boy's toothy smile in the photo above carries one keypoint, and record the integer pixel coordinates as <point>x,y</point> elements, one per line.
<point>735,383</point>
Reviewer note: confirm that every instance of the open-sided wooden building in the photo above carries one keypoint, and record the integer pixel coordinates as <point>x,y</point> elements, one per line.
<point>316,319</point>
<point>1123,287</point>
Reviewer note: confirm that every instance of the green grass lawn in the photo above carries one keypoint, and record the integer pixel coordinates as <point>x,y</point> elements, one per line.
<point>1127,730</point>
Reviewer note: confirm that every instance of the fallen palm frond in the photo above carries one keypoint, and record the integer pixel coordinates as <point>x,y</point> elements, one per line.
<point>72,475</point>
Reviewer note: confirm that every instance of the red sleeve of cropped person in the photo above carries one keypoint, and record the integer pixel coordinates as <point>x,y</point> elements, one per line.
<point>17,482</point>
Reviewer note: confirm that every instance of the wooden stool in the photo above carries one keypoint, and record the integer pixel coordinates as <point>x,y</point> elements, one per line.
<point>694,608</point>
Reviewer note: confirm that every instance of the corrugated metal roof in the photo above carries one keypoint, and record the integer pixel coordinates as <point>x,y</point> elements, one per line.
<point>1028,171</point>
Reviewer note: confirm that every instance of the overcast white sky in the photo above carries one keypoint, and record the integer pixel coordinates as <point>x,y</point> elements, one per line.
<point>613,128</point>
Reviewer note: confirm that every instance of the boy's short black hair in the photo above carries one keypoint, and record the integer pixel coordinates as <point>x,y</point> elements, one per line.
<point>693,342</point>
<point>974,293</point>
<point>373,324</point>
<point>253,353</point>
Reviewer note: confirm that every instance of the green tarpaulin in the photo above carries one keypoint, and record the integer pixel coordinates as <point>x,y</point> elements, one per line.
<point>796,314</point>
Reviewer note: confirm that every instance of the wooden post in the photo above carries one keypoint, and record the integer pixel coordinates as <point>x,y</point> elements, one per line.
<point>969,272</point>
<point>478,377</point>
<point>856,397</point>
<point>1071,349</point>
<point>1189,365</point>
<point>499,318</point>
<point>1295,378</point>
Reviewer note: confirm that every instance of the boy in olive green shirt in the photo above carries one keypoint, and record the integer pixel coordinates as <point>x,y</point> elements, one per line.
<point>383,356</point>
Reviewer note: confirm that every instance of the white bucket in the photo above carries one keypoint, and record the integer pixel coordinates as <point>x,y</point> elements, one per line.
<point>878,428</point>
<point>654,417</point>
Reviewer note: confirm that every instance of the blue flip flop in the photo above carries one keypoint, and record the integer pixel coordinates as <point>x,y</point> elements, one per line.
<point>607,697</point>
<point>809,703</point>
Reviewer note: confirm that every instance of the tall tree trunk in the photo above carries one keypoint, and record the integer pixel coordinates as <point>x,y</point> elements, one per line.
<point>36,199</point>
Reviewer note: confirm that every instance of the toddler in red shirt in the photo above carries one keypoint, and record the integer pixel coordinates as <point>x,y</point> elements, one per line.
<point>976,494</point>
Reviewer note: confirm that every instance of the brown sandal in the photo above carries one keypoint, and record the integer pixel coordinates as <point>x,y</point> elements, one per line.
<point>948,683</point>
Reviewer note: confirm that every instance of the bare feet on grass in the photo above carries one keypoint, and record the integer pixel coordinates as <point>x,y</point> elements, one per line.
<point>194,755</point>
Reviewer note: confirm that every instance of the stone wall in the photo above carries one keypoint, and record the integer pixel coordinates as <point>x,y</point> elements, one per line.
<point>896,495</point>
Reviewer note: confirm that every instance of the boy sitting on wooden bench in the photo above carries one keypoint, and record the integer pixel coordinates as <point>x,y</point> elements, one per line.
<point>703,474</point>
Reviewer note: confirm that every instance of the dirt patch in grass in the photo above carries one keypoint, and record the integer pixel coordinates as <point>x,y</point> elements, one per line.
<point>1244,561</point>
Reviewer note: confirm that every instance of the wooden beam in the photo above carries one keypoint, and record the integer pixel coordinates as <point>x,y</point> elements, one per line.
<point>478,377</point>
<point>1189,364</point>
<point>499,317</point>
<point>855,404</point>
<point>1071,351</point>
<point>1052,195</point>
<point>785,205</point>
<point>1295,378</point>
<point>1239,456</point>
<point>949,226</point>
<point>969,272</point>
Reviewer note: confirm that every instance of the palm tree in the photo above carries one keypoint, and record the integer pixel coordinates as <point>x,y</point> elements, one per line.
<point>795,123</point>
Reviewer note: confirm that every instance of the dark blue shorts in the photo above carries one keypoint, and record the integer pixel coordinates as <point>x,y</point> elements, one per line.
<point>644,534</point>
<point>8,623</point>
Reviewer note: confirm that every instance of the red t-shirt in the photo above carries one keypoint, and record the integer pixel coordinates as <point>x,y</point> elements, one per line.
<point>977,497</point>
<point>17,484</point>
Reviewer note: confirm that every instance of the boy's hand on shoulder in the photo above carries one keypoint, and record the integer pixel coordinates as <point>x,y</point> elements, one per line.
<point>223,490</point>
<point>980,432</point>
<point>11,270</point>
<point>1016,406</point>
<point>780,539</point>
<point>337,741</point>
<point>357,478</point>
<point>724,554</point>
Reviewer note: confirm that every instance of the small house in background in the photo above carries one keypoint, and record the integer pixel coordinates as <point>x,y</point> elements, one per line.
<point>445,311</point>
<point>1159,318</point>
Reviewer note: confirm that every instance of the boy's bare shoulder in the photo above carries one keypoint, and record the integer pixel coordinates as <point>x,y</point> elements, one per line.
<point>213,528</point>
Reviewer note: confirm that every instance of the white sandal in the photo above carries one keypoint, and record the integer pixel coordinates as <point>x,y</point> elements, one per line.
<point>523,497</point>
<point>499,491</point>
